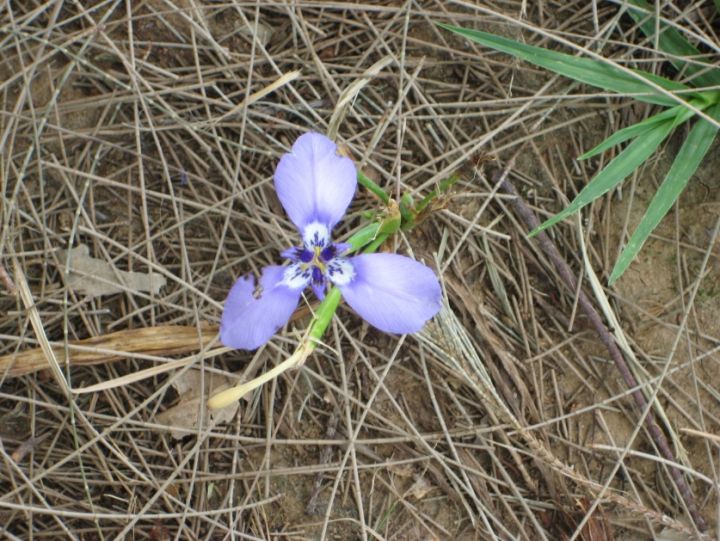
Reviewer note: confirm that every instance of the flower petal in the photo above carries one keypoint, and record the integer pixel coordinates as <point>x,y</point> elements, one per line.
<point>392,292</point>
<point>319,290</point>
<point>313,183</point>
<point>248,322</point>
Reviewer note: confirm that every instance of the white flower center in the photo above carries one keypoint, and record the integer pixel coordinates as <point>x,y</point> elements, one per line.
<point>316,235</point>
<point>297,276</point>
<point>340,271</point>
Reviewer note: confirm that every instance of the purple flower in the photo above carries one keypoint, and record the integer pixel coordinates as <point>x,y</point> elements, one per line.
<point>391,292</point>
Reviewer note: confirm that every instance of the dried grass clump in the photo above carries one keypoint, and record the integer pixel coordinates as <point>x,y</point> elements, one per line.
<point>148,132</point>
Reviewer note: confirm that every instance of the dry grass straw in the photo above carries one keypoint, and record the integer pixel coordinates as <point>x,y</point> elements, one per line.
<point>148,343</point>
<point>149,131</point>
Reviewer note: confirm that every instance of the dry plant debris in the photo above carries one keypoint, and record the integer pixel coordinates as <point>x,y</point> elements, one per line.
<point>147,132</point>
<point>147,343</point>
<point>186,416</point>
<point>95,277</point>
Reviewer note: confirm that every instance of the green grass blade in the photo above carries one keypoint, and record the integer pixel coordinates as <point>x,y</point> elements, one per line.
<point>686,163</point>
<point>585,70</point>
<point>616,171</point>
<point>674,43</point>
<point>680,113</point>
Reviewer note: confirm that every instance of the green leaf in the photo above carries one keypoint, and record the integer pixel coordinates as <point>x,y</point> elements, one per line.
<point>674,43</point>
<point>585,70</point>
<point>616,171</point>
<point>364,237</point>
<point>680,113</point>
<point>686,163</point>
<point>364,180</point>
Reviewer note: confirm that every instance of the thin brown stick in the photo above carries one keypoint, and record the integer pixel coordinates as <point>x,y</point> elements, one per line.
<point>547,246</point>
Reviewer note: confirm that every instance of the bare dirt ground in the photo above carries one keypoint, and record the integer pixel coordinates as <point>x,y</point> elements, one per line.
<point>141,137</point>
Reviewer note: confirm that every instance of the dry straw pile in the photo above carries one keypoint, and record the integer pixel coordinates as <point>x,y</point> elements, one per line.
<point>138,143</point>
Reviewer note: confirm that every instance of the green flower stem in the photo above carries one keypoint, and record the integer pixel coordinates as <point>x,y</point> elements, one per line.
<point>374,188</point>
<point>323,315</point>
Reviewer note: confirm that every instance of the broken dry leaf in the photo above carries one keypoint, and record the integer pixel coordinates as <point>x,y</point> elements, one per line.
<point>95,277</point>
<point>185,415</point>
<point>262,32</point>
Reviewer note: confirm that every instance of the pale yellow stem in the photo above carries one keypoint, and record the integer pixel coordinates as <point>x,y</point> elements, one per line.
<point>228,396</point>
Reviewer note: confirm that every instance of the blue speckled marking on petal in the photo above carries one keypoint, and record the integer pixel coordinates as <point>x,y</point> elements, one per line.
<point>316,235</point>
<point>306,256</point>
<point>317,275</point>
<point>328,253</point>
<point>297,276</point>
<point>340,271</point>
